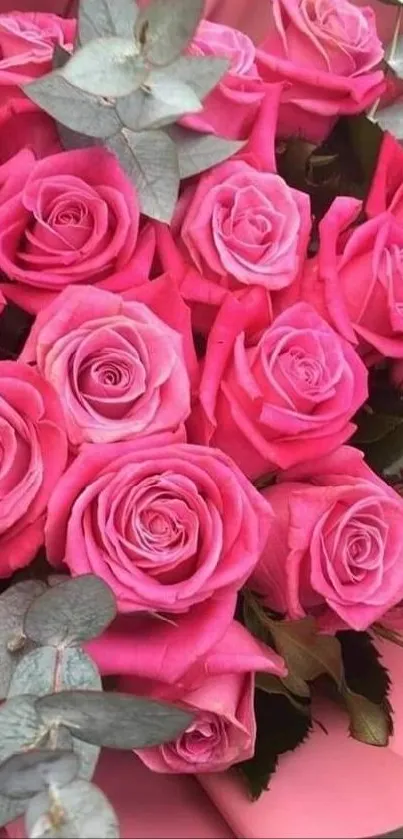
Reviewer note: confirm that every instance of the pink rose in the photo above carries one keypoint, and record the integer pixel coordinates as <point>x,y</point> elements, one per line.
<point>386,191</point>
<point>357,279</point>
<point>336,547</point>
<point>118,368</point>
<point>165,524</point>
<point>224,729</point>
<point>329,53</point>
<point>277,398</point>
<point>245,226</point>
<point>33,456</point>
<point>27,42</point>
<point>74,220</point>
<point>26,134</point>
<point>231,108</point>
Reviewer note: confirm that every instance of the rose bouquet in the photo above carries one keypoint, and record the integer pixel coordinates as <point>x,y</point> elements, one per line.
<point>201,420</point>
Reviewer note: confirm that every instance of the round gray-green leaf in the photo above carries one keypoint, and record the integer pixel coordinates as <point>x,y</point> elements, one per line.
<point>13,605</point>
<point>162,104</point>
<point>198,152</point>
<point>21,727</point>
<point>11,809</point>
<point>150,160</point>
<point>201,73</point>
<point>39,671</point>
<point>24,775</point>
<point>97,18</point>
<point>77,811</point>
<point>74,108</point>
<point>107,67</point>
<point>71,612</point>
<point>114,720</point>
<point>163,30</point>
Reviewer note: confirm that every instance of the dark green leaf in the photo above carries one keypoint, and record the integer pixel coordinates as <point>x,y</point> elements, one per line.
<point>372,427</point>
<point>77,811</point>
<point>386,455</point>
<point>370,722</point>
<point>24,775</point>
<point>117,721</point>
<point>272,684</point>
<point>163,30</point>
<point>75,611</point>
<point>280,728</point>
<point>77,110</point>
<point>100,18</point>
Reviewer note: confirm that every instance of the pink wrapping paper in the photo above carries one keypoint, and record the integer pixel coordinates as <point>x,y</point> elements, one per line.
<point>331,786</point>
<point>151,806</point>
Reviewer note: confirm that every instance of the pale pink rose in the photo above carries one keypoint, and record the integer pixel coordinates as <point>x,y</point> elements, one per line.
<point>231,108</point>
<point>27,43</point>
<point>74,220</point>
<point>356,281</point>
<point>119,369</point>
<point>223,731</point>
<point>335,550</point>
<point>328,53</point>
<point>165,524</point>
<point>33,449</point>
<point>277,398</point>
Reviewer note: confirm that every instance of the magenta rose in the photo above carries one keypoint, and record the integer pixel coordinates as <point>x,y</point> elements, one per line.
<point>165,524</point>
<point>223,731</point>
<point>386,192</point>
<point>33,457</point>
<point>357,279</point>
<point>26,134</point>
<point>74,220</point>
<point>336,547</point>
<point>231,108</point>
<point>27,43</point>
<point>119,369</point>
<point>245,226</point>
<point>281,397</point>
<point>329,54</point>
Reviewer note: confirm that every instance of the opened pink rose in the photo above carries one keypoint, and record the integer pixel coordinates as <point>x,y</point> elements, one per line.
<point>34,455</point>
<point>27,43</point>
<point>279,398</point>
<point>336,546</point>
<point>165,524</point>
<point>231,108</point>
<point>119,370</point>
<point>328,54</point>
<point>224,728</point>
<point>356,280</point>
<point>75,219</point>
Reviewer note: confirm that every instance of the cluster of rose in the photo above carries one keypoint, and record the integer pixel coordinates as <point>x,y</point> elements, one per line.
<point>178,402</point>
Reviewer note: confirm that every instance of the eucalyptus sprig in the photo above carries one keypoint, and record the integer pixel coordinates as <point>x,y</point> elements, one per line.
<point>56,717</point>
<point>127,83</point>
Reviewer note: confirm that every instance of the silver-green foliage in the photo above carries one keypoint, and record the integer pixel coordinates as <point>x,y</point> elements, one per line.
<point>126,82</point>
<point>56,718</point>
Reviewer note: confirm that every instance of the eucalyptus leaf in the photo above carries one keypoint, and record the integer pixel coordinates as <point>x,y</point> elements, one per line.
<point>107,67</point>
<point>391,119</point>
<point>60,57</point>
<point>77,811</point>
<point>14,602</point>
<point>148,109</point>
<point>198,152</point>
<point>201,73</point>
<point>24,775</point>
<point>369,721</point>
<point>39,671</point>
<point>34,673</point>
<point>150,160</point>
<point>117,721</point>
<point>163,30</point>
<point>69,140</point>
<point>20,726</point>
<point>87,754</point>
<point>11,809</point>
<point>74,108</point>
<point>75,611</point>
<point>395,61</point>
<point>99,18</point>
